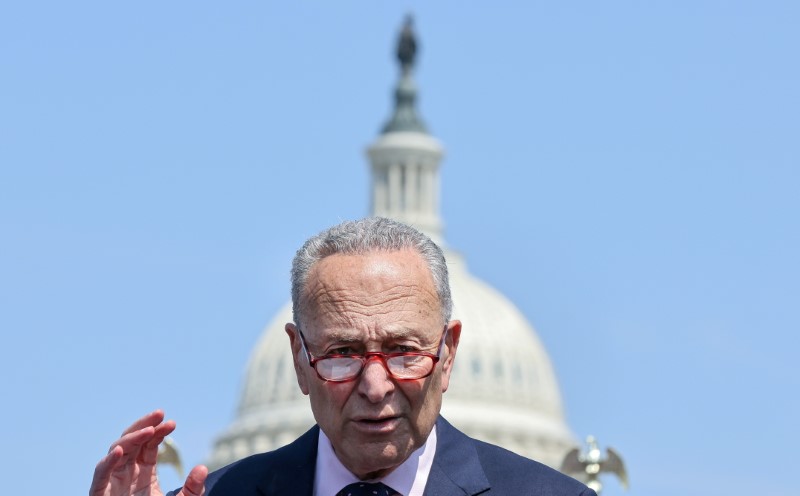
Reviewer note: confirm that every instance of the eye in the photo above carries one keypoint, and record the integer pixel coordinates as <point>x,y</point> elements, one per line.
<point>404,349</point>
<point>341,350</point>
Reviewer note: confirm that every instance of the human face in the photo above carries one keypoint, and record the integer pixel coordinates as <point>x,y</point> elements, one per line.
<point>379,301</point>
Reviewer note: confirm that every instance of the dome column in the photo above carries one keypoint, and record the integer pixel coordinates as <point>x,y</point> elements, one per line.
<point>405,158</point>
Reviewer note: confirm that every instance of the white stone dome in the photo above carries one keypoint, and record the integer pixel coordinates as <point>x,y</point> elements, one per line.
<point>503,388</point>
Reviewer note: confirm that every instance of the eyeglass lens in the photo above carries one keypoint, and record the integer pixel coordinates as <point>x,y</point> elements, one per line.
<point>403,367</point>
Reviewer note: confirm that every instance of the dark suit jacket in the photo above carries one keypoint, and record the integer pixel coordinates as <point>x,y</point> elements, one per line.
<point>461,466</point>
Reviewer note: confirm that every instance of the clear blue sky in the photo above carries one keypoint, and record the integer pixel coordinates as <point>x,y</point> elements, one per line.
<point>626,172</point>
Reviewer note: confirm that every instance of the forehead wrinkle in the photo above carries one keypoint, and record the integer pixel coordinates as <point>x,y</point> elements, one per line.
<point>344,302</point>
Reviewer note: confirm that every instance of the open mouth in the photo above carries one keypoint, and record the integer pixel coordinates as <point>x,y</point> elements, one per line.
<point>378,424</point>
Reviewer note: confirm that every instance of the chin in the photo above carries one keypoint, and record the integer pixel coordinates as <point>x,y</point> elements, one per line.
<point>378,461</point>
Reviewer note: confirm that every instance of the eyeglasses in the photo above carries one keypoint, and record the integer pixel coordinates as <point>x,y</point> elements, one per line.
<point>403,366</point>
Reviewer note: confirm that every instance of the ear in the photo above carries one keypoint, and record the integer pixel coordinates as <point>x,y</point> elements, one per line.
<point>450,345</point>
<point>298,357</point>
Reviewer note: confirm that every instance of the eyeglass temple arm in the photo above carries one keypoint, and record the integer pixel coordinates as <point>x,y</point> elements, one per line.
<point>303,346</point>
<point>444,339</point>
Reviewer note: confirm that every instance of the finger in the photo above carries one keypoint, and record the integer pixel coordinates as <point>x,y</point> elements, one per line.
<point>152,419</point>
<point>164,429</point>
<point>134,440</point>
<point>130,446</point>
<point>195,484</point>
<point>149,452</point>
<point>103,470</point>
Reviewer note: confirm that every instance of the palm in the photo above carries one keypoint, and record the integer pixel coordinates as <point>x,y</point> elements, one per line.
<point>138,480</point>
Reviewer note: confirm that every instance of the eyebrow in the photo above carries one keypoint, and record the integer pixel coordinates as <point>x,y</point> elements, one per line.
<point>342,337</point>
<point>346,336</point>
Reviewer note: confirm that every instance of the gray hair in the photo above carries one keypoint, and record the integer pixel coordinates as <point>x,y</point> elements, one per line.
<point>368,235</point>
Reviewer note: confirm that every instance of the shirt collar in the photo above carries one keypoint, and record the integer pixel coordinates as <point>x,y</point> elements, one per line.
<point>408,479</point>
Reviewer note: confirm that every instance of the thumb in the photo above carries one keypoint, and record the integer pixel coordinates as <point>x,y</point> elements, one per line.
<point>195,484</point>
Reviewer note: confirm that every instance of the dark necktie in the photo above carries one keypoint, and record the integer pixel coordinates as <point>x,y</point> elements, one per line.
<point>367,489</point>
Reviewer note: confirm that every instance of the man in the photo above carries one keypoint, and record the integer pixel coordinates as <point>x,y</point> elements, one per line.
<point>373,348</point>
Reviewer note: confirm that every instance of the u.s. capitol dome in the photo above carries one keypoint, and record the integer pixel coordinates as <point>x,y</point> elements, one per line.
<point>503,388</point>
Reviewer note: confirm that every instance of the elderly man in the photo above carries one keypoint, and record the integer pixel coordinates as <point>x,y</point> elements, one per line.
<point>373,348</point>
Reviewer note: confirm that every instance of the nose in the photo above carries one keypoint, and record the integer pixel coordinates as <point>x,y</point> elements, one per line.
<point>375,382</point>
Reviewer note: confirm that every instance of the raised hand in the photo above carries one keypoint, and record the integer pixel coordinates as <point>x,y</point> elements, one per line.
<point>129,468</point>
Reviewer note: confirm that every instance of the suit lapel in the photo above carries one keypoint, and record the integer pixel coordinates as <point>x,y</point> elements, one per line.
<point>456,467</point>
<point>294,473</point>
